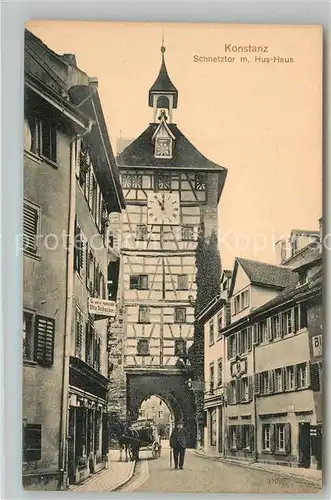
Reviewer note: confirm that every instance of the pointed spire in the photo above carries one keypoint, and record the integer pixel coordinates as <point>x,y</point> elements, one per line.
<point>163,85</point>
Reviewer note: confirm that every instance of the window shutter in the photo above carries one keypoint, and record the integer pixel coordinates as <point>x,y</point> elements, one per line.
<point>76,246</point>
<point>250,388</point>
<point>249,333</point>
<point>45,328</point>
<point>288,441</point>
<point>314,377</point>
<point>282,324</point>
<point>256,334</point>
<point>238,390</point>
<point>238,343</point>
<point>296,375</point>
<point>257,383</point>
<point>284,379</point>
<point>251,437</point>
<point>271,381</point>
<point>269,329</point>
<point>239,433</point>
<point>272,438</point>
<point>82,264</point>
<point>228,344</point>
<point>30,227</point>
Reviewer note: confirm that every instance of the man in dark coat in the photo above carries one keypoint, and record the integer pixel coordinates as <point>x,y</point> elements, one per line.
<point>178,443</point>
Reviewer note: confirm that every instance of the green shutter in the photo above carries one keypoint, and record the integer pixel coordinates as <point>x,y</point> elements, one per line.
<point>44,348</point>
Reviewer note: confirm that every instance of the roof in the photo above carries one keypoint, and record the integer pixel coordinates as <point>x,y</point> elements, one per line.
<point>304,232</point>
<point>227,273</point>
<point>262,274</point>
<point>186,156</point>
<point>163,83</point>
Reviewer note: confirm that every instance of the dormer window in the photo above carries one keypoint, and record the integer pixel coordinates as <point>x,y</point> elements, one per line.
<point>163,147</point>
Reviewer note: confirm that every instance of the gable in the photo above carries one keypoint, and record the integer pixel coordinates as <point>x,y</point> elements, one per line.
<point>240,279</point>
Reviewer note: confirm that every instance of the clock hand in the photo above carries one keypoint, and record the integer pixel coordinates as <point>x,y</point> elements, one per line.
<point>161,204</point>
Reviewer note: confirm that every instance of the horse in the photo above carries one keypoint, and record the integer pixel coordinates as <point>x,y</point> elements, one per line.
<point>128,441</point>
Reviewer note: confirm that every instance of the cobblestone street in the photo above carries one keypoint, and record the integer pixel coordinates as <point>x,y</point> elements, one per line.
<point>208,476</point>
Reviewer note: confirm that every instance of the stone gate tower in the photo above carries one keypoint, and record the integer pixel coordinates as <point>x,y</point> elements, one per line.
<point>170,188</point>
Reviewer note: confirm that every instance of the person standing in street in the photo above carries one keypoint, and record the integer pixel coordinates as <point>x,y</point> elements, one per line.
<point>178,443</point>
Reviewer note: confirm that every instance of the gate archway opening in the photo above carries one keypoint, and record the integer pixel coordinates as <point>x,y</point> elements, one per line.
<point>171,390</point>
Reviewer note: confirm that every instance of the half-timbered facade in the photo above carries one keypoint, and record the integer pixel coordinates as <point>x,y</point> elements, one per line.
<point>169,188</point>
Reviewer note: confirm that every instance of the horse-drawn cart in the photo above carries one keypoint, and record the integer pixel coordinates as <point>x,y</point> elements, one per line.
<point>142,435</point>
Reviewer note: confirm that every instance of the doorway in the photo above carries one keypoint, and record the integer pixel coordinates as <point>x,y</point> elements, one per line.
<point>304,445</point>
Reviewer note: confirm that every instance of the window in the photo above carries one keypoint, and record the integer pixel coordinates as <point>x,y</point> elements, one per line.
<point>211,332</point>
<point>302,375</point>
<point>219,372</point>
<point>280,437</point>
<point>182,282</point>
<point>143,314</point>
<point>266,437</point>
<point>244,299</point>
<point>180,315</point>
<point>275,327</point>
<point>263,331</point>
<point>233,437</point>
<point>141,232</point>
<point>231,346</point>
<point>240,302</point>
<point>278,380</point>
<point>213,427</point>
<point>180,347</point>
<point>290,378</point>
<point>287,322</point>
<point>246,436</point>
<point>244,389</point>
<point>48,139</point>
<point>220,322</point>
<point>244,341</point>
<point>90,277</point>
<point>28,336</point>
<point>232,392</point>
<point>139,282</point>
<point>89,342</point>
<point>264,383</point>
<point>31,214</point>
<point>143,347</point>
<point>188,233</point>
<point>79,334</point>
<point>163,182</point>
<point>211,377</point>
<point>31,442</point>
<point>200,182</point>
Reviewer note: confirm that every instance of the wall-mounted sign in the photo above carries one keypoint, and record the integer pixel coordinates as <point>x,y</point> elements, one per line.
<point>317,345</point>
<point>102,307</point>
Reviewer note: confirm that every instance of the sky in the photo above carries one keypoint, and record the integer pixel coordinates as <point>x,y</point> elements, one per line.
<point>261,121</point>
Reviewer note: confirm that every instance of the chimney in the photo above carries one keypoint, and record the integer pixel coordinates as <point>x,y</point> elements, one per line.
<point>281,251</point>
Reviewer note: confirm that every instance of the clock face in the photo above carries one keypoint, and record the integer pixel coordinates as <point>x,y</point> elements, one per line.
<point>163,208</point>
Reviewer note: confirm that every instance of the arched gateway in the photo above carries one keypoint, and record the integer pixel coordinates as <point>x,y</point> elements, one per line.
<point>171,388</point>
<point>170,190</point>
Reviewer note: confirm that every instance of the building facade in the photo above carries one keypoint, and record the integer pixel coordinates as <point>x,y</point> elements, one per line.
<point>70,187</point>
<point>268,403</point>
<point>169,188</point>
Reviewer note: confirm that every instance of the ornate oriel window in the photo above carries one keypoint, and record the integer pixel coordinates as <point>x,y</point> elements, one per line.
<point>163,147</point>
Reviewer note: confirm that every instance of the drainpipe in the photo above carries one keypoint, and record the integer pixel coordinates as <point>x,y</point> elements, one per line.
<point>69,306</point>
<point>255,455</point>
